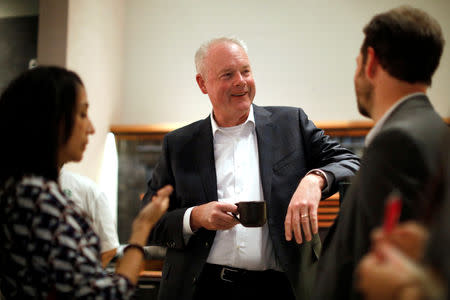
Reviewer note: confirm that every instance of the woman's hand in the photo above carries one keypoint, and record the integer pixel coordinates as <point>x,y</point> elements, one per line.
<point>386,273</point>
<point>157,207</point>
<point>409,237</point>
<point>130,263</point>
<point>149,215</point>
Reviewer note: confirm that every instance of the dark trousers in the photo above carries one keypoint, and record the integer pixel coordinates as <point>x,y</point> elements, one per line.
<point>222,282</point>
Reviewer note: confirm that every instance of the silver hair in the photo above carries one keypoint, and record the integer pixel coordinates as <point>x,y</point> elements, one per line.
<point>204,48</point>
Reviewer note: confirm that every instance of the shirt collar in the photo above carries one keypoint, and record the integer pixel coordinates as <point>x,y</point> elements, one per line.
<point>377,127</point>
<point>250,121</point>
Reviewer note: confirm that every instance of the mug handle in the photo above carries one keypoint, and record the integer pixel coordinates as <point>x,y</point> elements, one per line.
<point>235,216</point>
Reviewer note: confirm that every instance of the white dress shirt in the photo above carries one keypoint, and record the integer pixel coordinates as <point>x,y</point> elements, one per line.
<point>86,194</point>
<point>238,179</point>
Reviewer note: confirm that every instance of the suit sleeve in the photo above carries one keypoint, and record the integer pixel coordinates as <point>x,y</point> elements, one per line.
<point>326,154</point>
<point>168,232</point>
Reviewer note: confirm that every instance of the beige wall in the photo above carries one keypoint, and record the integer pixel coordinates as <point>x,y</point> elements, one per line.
<point>136,56</point>
<point>87,37</point>
<point>303,54</point>
<point>95,51</point>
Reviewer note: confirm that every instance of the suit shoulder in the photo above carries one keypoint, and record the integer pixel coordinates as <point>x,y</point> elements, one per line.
<point>284,112</point>
<point>425,135</point>
<point>424,125</point>
<point>418,118</point>
<point>282,109</point>
<point>186,132</point>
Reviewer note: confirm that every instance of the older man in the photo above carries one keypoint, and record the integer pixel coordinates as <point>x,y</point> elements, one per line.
<point>242,152</point>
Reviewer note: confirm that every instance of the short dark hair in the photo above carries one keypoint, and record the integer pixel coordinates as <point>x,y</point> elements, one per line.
<point>37,111</point>
<point>408,43</point>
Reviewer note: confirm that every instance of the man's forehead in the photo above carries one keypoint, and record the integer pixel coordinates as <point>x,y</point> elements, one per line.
<point>225,49</point>
<point>224,58</point>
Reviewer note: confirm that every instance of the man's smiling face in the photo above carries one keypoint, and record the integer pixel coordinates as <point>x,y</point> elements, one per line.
<point>228,81</point>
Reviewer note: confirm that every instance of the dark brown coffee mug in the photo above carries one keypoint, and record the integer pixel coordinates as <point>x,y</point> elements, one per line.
<point>251,213</point>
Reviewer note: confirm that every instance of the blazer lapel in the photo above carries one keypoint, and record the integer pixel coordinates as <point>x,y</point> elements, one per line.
<point>264,134</point>
<point>204,158</point>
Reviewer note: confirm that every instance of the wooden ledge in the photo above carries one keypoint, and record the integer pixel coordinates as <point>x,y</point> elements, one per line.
<point>154,131</point>
<point>150,274</point>
<point>145,129</point>
<point>167,127</point>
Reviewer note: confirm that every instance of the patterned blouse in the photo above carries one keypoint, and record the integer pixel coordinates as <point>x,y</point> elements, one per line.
<point>47,246</point>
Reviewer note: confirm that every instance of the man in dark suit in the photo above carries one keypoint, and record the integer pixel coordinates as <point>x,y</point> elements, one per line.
<point>400,52</point>
<point>242,152</point>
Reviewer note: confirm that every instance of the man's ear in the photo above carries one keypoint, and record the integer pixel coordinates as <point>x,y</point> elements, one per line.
<point>201,83</point>
<point>372,64</point>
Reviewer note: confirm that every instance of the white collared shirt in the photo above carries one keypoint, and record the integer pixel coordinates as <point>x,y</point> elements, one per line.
<point>377,127</point>
<point>238,179</point>
<point>87,195</point>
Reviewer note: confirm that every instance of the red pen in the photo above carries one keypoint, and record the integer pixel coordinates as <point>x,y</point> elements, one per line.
<point>392,210</point>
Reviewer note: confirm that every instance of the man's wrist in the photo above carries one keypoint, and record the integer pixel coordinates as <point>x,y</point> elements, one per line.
<point>323,181</point>
<point>187,227</point>
<point>193,220</point>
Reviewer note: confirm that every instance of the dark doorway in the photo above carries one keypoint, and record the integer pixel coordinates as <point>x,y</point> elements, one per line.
<point>18,46</point>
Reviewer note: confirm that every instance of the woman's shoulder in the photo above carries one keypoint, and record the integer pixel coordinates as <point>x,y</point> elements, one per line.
<point>40,194</point>
<point>40,191</point>
<point>39,204</point>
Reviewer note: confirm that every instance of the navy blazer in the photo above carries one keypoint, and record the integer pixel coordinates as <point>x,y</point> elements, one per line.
<point>289,145</point>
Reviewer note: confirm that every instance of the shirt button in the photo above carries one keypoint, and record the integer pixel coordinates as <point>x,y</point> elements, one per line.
<point>207,245</point>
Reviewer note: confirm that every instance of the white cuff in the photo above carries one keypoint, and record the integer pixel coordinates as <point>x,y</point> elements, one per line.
<point>324,175</point>
<point>187,231</point>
